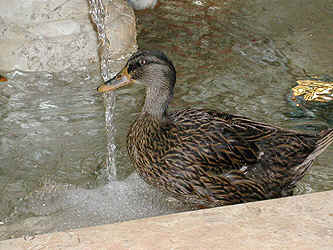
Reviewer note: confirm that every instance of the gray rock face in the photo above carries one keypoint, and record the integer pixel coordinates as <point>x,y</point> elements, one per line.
<point>53,35</point>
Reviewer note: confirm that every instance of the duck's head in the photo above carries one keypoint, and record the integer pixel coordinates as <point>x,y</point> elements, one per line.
<point>153,70</point>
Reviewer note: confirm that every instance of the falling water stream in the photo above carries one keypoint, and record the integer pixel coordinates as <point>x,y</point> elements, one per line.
<point>97,12</point>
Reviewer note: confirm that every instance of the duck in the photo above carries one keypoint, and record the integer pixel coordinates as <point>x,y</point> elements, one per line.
<point>142,4</point>
<point>209,158</point>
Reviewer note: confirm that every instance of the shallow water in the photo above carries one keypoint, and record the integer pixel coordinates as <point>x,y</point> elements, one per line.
<point>237,56</point>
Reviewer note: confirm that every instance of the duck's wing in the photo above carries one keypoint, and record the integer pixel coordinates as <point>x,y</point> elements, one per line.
<point>219,141</point>
<point>225,159</point>
<point>216,143</point>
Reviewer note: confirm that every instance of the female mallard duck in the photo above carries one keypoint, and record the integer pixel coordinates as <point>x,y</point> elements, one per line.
<point>206,157</point>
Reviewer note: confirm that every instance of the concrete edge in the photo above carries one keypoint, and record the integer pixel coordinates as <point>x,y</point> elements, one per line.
<point>298,222</point>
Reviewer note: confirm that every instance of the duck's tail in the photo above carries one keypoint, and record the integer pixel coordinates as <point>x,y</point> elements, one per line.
<point>326,138</point>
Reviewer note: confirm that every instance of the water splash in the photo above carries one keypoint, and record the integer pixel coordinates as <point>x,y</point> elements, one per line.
<point>98,13</point>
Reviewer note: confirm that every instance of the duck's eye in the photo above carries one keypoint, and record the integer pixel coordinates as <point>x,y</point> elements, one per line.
<point>142,62</point>
<point>137,64</point>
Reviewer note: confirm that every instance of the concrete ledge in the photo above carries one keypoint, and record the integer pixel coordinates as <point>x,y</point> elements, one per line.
<point>298,222</point>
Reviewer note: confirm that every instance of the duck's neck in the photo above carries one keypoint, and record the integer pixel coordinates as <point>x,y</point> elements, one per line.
<point>156,103</point>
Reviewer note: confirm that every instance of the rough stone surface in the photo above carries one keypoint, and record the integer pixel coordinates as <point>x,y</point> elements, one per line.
<point>298,222</point>
<point>53,35</point>
<point>120,30</point>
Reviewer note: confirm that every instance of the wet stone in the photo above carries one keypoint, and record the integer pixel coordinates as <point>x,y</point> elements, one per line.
<point>37,35</point>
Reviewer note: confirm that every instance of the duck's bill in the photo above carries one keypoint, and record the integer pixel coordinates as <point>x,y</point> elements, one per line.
<point>120,80</point>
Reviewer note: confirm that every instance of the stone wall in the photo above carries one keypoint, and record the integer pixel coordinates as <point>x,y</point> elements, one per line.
<point>53,35</point>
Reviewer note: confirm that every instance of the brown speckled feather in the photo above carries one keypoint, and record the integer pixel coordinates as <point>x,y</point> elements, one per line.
<point>212,159</point>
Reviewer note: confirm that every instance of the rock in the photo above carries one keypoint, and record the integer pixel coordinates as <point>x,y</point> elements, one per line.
<point>54,35</point>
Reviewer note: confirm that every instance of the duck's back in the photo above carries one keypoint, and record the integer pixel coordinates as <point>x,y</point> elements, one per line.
<point>215,158</point>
